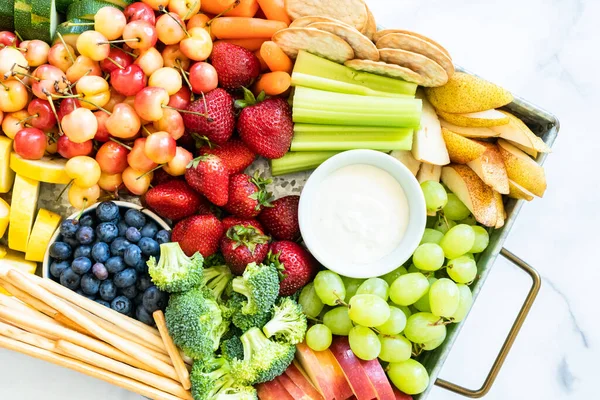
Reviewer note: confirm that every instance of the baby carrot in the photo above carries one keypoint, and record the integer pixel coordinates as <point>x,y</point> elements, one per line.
<point>263,64</point>
<point>246,8</point>
<point>275,58</point>
<point>275,10</point>
<point>250,44</point>
<point>273,83</point>
<point>246,28</point>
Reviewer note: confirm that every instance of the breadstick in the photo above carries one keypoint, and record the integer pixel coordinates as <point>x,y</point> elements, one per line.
<point>180,368</point>
<point>27,299</point>
<point>61,319</point>
<point>21,335</point>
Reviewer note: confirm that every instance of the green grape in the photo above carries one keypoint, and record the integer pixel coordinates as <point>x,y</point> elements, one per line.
<point>455,209</point>
<point>443,225</point>
<point>433,344</point>
<point>351,285</point>
<point>330,287</point>
<point>408,288</point>
<point>423,327</point>
<point>364,343</point>
<point>395,323</point>
<point>462,269</point>
<point>482,239</point>
<point>318,337</point>
<point>470,255</point>
<point>310,302</point>
<point>423,303</point>
<point>394,348</point>
<point>470,220</point>
<point>409,376</point>
<point>368,310</point>
<point>390,277</point>
<point>404,309</point>
<point>413,269</point>
<point>376,286</point>
<point>338,321</point>
<point>458,241</point>
<point>464,304</point>
<point>431,236</point>
<point>443,298</point>
<point>435,195</point>
<point>429,257</point>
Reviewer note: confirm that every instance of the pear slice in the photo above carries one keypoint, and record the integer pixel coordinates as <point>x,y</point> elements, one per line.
<point>461,149</point>
<point>429,172</point>
<point>480,132</point>
<point>533,153</point>
<point>406,158</point>
<point>518,192</point>
<point>428,143</point>
<point>522,169</point>
<point>500,211</point>
<point>517,132</point>
<point>465,93</point>
<point>476,120</point>
<point>472,191</point>
<point>490,168</point>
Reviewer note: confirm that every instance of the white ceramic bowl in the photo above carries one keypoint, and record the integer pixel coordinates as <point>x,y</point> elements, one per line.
<point>122,205</point>
<point>416,214</point>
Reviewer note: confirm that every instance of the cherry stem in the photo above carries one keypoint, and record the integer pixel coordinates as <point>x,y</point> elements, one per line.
<point>15,73</point>
<point>146,130</point>
<point>125,51</point>
<point>185,78</point>
<point>20,49</point>
<point>115,62</point>
<point>23,83</point>
<point>58,96</point>
<point>120,143</point>
<point>63,191</point>
<point>189,112</point>
<point>162,9</point>
<point>189,12</point>
<point>60,36</point>
<point>80,23</point>
<point>234,5</point>
<point>19,36</point>
<point>120,41</point>
<point>96,105</point>
<point>49,97</point>
<point>159,166</point>
<point>28,118</point>
<point>4,86</point>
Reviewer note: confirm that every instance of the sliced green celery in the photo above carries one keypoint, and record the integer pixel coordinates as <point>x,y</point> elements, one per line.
<point>317,82</point>
<point>376,139</point>
<point>310,64</point>
<point>297,162</point>
<point>402,119</point>
<point>314,128</point>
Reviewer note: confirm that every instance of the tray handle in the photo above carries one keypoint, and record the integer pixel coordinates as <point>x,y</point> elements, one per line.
<point>489,381</point>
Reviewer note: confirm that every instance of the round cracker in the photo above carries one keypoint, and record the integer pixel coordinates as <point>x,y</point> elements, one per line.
<point>320,43</point>
<point>351,12</point>
<point>362,46</point>
<point>381,68</point>
<point>432,72</point>
<point>379,34</point>
<point>407,42</point>
<point>371,26</point>
<point>303,22</point>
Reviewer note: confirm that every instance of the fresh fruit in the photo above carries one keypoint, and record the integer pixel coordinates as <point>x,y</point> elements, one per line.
<point>4,216</point>
<point>171,122</point>
<point>247,195</point>
<point>300,380</point>
<point>13,96</point>
<point>522,169</point>
<point>80,125</point>
<point>444,297</point>
<point>24,200</point>
<point>364,343</point>
<point>137,158</point>
<point>353,370</point>
<point>83,197</point>
<point>69,149</point>
<point>160,147</point>
<point>236,67</point>
<point>462,269</point>
<point>408,288</point>
<point>311,365</point>
<point>41,233</point>
<point>491,169</point>
<point>200,233</point>
<point>297,266</point>
<point>30,143</point>
<point>409,376</point>
<point>7,174</point>
<point>136,181</point>
<point>519,134</point>
<point>329,287</point>
<point>198,45</point>
<point>272,390</point>
<point>435,196</point>
<point>428,143</point>
<point>129,80</point>
<point>368,310</point>
<point>333,373</point>
<point>487,118</point>
<point>209,176</point>
<point>429,257</point>
<point>234,153</point>
<point>178,164</point>
<point>203,77</point>
<point>429,172</point>
<point>219,122</point>
<point>242,245</point>
<point>83,170</point>
<point>281,219</point>
<point>140,35</point>
<point>112,158</point>
<point>174,200</point>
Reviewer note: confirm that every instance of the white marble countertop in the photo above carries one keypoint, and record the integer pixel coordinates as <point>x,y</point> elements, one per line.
<point>547,52</point>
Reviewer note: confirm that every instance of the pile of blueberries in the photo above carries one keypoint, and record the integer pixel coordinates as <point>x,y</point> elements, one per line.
<point>103,255</point>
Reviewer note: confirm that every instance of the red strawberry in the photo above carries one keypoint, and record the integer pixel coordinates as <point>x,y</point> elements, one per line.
<point>281,219</point>
<point>174,200</point>
<point>296,264</point>
<point>161,176</point>
<point>247,195</point>
<point>200,233</point>
<point>209,176</point>
<point>232,220</point>
<point>219,123</point>
<point>243,245</point>
<point>235,154</point>
<point>266,127</point>
<point>236,66</point>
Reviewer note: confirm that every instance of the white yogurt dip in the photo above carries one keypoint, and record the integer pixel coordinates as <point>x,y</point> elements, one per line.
<point>359,214</point>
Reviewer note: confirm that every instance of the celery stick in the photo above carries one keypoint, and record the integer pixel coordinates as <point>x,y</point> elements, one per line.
<point>403,118</point>
<point>366,130</point>
<point>296,162</point>
<point>317,82</point>
<point>399,139</point>
<point>310,64</point>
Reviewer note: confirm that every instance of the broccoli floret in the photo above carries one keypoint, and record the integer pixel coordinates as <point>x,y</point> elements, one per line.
<point>264,359</point>
<point>288,322</point>
<point>174,271</point>
<point>195,323</point>
<point>241,320</point>
<point>238,393</point>
<point>260,285</point>
<point>211,377</point>
<point>232,349</point>
<point>217,278</point>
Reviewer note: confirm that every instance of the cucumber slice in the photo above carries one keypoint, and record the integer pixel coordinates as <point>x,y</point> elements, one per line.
<point>121,3</point>
<point>36,19</point>
<point>7,22</point>
<point>70,33</point>
<point>87,9</point>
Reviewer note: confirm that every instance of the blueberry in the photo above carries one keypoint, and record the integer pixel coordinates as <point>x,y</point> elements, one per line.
<point>122,228</point>
<point>101,252</point>
<point>144,282</point>
<point>121,304</point>
<point>60,251</point>
<point>81,265</point>
<point>57,267</point>
<point>133,234</point>
<point>107,232</point>
<point>70,279</point>
<point>149,247</point>
<point>68,227</point>
<point>87,220</point>
<point>108,290</point>
<point>85,235</point>
<point>163,236</point>
<point>118,246</point>
<point>154,299</point>
<point>139,299</point>
<point>130,292</point>
<point>82,293</point>
<point>115,264</point>
<point>90,284</point>
<point>71,242</point>
<point>82,251</point>
<point>149,230</point>
<point>107,211</point>
<point>125,278</point>
<point>99,270</point>
<point>143,316</point>
<point>103,302</point>
<point>141,267</point>
<point>132,255</point>
<point>135,218</point>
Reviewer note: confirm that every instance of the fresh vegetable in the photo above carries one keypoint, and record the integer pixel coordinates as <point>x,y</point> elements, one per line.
<point>210,377</point>
<point>299,161</point>
<point>275,58</point>
<point>230,28</point>
<point>272,83</point>
<point>260,286</point>
<point>217,278</point>
<point>245,321</point>
<point>174,271</point>
<point>288,323</point>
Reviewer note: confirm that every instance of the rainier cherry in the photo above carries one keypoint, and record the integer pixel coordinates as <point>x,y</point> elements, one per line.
<point>181,100</point>
<point>42,116</point>
<point>94,45</point>
<point>137,157</point>
<point>83,66</point>
<point>116,59</point>
<point>203,77</point>
<point>174,58</point>
<point>14,122</point>
<point>139,35</point>
<point>129,80</point>
<point>84,171</point>
<point>110,183</point>
<point>60,56</point>
<point>8,39</point>
<point>157,4</point>
<point>69,149</point>
<point>149,103</point>
<point>167,78</point>
<point>95,91</point>
<point>170,28</point>
<point>140,11</point>
<point>67,106</point>
<point>110,22</point>
<point>14,96</point>
<point>80,125</point>
<point>83,197</point>
<point>102,134</point>
<point>9,58</point>
<point>184,8</point>
<point>149,60</point>
<point>48,79</point>
<point>198,45</point>
<point>200,21</point>
<point>30,143</point>
<point>171,122</point>
<point>36,52</point>
<point>115,98</point>
<point>137,182</point>
<point>178,165</point>
<point>112,158</point>
<point>124,122</point>
<point>160,147</point>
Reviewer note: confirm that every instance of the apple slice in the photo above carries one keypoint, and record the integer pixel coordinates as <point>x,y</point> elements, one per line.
<point>516,131</point>
<point>429,172</point>
<point>298,377</point>
<point>490,168</point>
<point>272,390</point>
<point>472,191</point>
<point>481,119</point>
<point>334,374</point>
<point>310,364</point>
<point>517,191</point>
<point>295,391</point>
<point>428,143</point>
<point>352,369</point>
<point>500,212</point>
<point>406,158</point>
<point>379,379</point>
<point>462,149</point>
<point>401,396</point>
<point>469,132</point>
<point>522,169</point>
